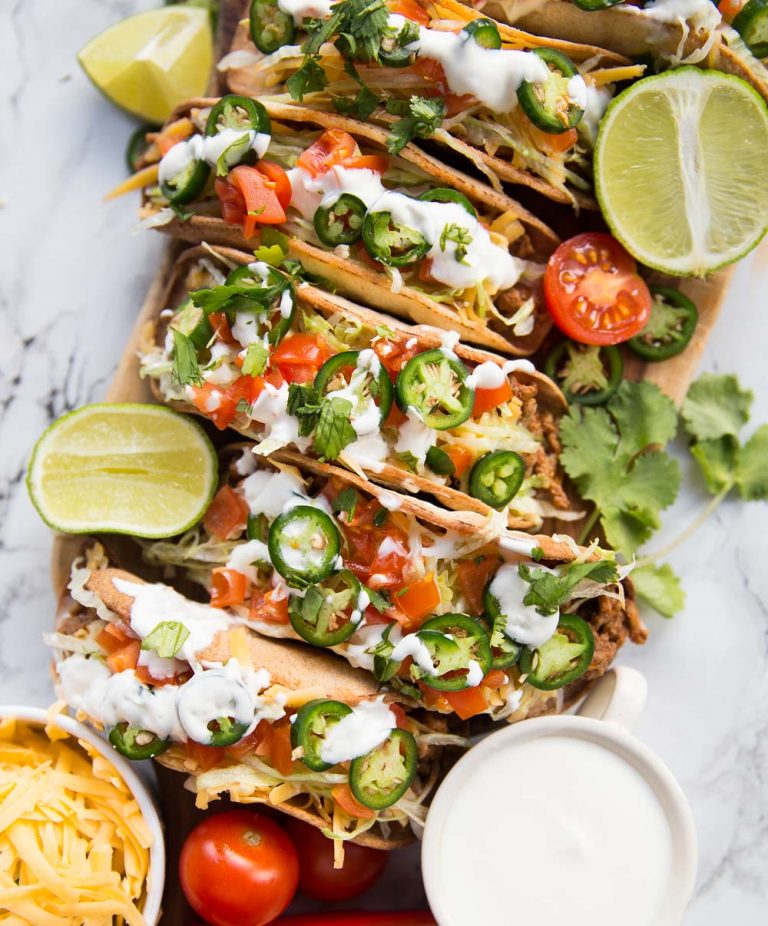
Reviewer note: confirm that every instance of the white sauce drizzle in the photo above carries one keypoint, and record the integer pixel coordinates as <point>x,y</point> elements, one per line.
<point>524,624</point>
<point>356,734</point>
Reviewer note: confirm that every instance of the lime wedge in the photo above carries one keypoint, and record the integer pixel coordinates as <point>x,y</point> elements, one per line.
<point>124,469</point>
<point>151,62</point>
<point>681,171</point>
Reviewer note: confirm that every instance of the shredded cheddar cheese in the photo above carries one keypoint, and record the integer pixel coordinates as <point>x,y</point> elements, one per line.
<point>74,848</point>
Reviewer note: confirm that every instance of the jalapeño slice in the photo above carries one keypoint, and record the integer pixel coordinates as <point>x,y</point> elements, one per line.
<point>313,720</point>
<point>506,651</point>
<point>670,327</point>
<point>447,195</point>
<point>381,777</point>
<point>496,478</point>
<point>752,25</point>
<point>592,5</point>
<point>225,731</point>
<point>270,27</point>
<point>325,615</point>
<point>586,373</point>
<point>192,321</point>
<point>392,50</point>
<point>187,184</point>
<point>342,370</point>
<point>547,103</point>
<point>435,385</point>
<point>238,112</point>
<point>391,243</point>
<point>484,31</point>
<point>137,146</point>
<point>136,744</point>
<point>439,462</point>
<point>563,658</point>
<point>226,702</point>
<point>341,222</point>
<point>303,545</point>
<point>454,641</point>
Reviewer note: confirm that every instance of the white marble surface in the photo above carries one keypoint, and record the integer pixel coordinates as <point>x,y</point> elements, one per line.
<point>71,278</point>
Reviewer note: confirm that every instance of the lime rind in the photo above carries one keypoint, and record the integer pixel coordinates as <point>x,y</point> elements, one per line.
<point>656,235</point>
<point>156,494</point>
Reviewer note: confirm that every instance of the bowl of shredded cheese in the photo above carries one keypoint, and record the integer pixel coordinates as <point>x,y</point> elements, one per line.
<point>81,843</point>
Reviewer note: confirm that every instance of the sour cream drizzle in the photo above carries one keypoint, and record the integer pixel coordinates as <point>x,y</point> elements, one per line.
<point>356,734</point>
<point>232,143</point>
<point>524,624</point>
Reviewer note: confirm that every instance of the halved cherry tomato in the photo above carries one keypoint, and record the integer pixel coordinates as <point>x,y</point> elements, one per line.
<point>265,607</point>
<point>419,599</point>
<point>279,179</point>
<point>593,290</point>
<point>468,702</point>
<point>238,868</point>
<point>486,399</point>
<point>227,514</point>
<point>473,575</point>
<point>333,147</point>
<point>300,356</point>
<point>411,10</point>
<point>206,757</point>
<point>344,797</point>
<point>127,657</point>
<point>461,457</point>
<point>228,587</point>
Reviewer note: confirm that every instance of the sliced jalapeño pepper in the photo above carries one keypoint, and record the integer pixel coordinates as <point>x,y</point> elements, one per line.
<point>439,462</point>
<point>341,222</point>
<point>446,195</point>
<point>392,244</point>
<point>506,651</point>
<point>313,720</point>
<point>436,386</point>
<point>187,184</point>
<point>270,27</point>
<point>238,112</point>
<point>547,103</point>
<point>563,658</point>
<point>381,777</point>
<point>137,146</point>
<point>496,478</point>
<point>257,527</point>
<point>484,31</point>
<point>225,731</point>
<point>192,321</point>
<point>454,642</point>
<point>342,371</point>
<point>303,545</point>
<point>592,5</point>
<point>135,743</point>
<point>670,327</point>
<point>392,50</point>
<point>752,25</point>
<point>587,374</point>
<point>327,614</point>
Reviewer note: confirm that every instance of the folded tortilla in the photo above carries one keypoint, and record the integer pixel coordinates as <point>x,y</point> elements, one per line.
<point>541,402</point>
<point>530,239</point>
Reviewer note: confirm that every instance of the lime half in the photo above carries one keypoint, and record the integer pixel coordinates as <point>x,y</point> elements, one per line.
<point>125,469</point>
<point>151,62</point>
<point>681,170</point>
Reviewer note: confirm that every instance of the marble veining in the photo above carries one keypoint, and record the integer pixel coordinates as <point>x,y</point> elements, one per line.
<point>72,276</point>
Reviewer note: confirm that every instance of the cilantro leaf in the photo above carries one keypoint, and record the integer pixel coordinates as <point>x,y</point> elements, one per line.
<point>643,416</point>
<point>628,530</point>
<point>256,356</point>
<point>379,600</point>
<point>718,460</point>
<point>420,120</point>
<point>716,405</point>
<point>752,472</point>
<point>309,78</point>
<point>272,254</point>
<point>346,501</point>
<point>166,639</point>
<point>186,369</point>
<point>304,403</point>
<point>333,430</point>
<point>549,590</point>
<point>660,587</point>
<point>359,107</point>
<point>237,297</point>
<point>460,237</point>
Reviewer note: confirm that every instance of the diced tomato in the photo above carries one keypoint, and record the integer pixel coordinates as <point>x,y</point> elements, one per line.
<point>249,743</point>
<point>553,142</point>
<point>231,200</point>
<point>486,399</point>
<point>494,679</point>
<point>280,748</point>
<point>127,657</point>
<point>215,402</point>
<point>227,514</point>
<point>265,607</point>
<point>279,179</point>
<point>114,636</point>
<point>419,599</point>
<point>395,417</point>
<point>388,565</point>
<point>433,699</point>
<point>333,147</point>
<point>461,457</point>
<point>454,103</point>
<point>411,10</point>
<point>300,356</point>
<point>145,676</point>
<point>473,575</point>
<point>729,9</point>
<point>400,715</point>
<point>467,703</point>
<point>344,797</point>
<point>228,587</point>
<point>394,353</point>
<point>429,69</point>
<point>221,330</point>
<point>206,757</point>
<point>379,163</point>
<point>249,198</point>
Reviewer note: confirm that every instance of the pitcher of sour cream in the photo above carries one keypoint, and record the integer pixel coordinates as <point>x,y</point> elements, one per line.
<point>563,819</point>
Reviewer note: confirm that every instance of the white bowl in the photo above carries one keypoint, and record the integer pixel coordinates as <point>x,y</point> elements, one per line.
<point>142,794</point>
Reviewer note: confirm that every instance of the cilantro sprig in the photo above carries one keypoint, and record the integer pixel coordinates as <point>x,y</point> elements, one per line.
<point>186,369</point>
<point>549,590</point>
<point>421,116</point>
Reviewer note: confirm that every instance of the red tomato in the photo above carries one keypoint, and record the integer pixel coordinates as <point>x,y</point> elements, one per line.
<point>333,147</point>
<point>124,658</point>
<point>461,457</point>
<point>317,876</point>
<point>249,198</point>
<point>265,607</point>
<point>238,869</point>
<point>388,565</point>
<point>486,399</point>
<point>593,290</point>
<point>227,587</point>
<point>379,163</point>
<point>206,757</point>
<point>419,599</point>
<point>473,575</point>
<point>468,702</point>
<point>411,10</point>
<point>300,356</point>
<point>278,178</point>
<point>344,797</point>
<point>729,9</point>
<point>227,514</point>
<point>552,142</point>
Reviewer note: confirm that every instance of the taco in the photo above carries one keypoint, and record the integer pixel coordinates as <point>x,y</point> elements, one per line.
<point>517,106</point>
<point>183,683</point>
<point>406,234</point>
<point>289,365</point>
<point>451,610</point>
